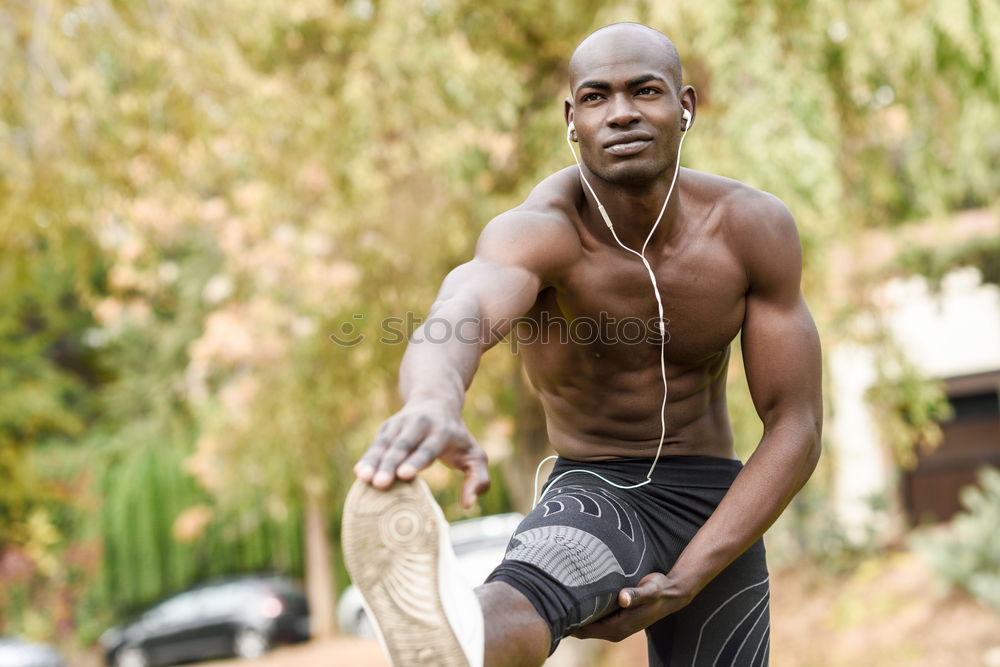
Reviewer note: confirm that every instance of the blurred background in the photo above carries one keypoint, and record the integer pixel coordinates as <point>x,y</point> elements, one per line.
<point>199,199</point>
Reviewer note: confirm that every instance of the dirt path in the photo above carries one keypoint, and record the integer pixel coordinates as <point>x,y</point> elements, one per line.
<point>889,612</point>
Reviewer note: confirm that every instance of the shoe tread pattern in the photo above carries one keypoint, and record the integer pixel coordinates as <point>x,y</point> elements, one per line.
<point>391,549</point>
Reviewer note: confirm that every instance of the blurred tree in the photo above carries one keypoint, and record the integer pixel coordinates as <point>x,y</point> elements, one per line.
<point>49,266</point>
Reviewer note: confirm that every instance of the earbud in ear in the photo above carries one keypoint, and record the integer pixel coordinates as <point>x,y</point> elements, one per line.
<point>570,129</point>
<point>687,119</point>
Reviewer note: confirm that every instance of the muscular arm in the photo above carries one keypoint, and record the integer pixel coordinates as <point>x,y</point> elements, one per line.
<point>781,354</point>
<point>474,309</point>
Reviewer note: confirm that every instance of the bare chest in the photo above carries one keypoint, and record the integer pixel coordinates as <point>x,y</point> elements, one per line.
<point>607,303</point>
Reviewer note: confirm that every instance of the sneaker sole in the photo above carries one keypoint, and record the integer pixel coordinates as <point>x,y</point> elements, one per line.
<point>392,549</point>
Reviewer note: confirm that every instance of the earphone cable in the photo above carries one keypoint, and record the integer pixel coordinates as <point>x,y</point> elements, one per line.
<point>659,306</point>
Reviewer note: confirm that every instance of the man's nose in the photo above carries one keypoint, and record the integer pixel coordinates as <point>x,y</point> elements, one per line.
<point>622,112</point>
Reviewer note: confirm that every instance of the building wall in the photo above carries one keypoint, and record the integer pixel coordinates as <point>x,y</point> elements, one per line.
<point>954,333</point>
<point>951,333</point>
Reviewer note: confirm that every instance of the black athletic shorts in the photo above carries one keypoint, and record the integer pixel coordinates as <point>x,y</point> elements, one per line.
<point>587,539</point>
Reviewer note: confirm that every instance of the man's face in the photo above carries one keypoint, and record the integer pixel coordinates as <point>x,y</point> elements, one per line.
<point>626,108</point>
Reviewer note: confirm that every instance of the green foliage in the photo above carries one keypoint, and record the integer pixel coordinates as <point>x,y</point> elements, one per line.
<point>935,263</point>
<point>966,553</point>
<point>47,371</point>
<point>909,407</point>
<point>850,127</point>
<point>147,552</point>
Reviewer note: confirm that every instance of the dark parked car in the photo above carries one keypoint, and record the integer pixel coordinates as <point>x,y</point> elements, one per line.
<point>240,616</point>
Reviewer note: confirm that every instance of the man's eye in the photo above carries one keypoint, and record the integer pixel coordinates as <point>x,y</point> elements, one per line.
<point>647,91</point>
<point>590,97</point>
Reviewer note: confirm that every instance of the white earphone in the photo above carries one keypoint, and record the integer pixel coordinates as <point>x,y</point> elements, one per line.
<point>686,116</point>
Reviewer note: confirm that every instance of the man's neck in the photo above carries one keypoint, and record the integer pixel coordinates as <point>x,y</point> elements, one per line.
<point>634,209</point>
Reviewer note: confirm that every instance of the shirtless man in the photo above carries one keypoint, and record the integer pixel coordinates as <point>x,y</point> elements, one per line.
<point>606,553</point>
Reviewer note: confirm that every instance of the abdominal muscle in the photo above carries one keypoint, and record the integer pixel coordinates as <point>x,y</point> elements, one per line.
<point>597,412</point>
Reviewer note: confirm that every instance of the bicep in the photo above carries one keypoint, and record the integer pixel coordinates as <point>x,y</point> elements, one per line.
<point>781,354</point>
<point>496,292</point>
<point>781,347</point>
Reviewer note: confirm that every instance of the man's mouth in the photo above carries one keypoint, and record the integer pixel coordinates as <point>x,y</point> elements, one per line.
<point>628,143</point>
<point>629,148</point>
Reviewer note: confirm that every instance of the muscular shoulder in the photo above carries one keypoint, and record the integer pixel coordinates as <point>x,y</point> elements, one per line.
<point>762,233</point>
<point>538,235</point>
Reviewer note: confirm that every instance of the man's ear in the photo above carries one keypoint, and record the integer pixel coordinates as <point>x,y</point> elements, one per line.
<point>689,100</point>
<point>568,111</point>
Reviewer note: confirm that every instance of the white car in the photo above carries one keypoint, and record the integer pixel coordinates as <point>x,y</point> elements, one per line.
<point>16,652</point>
<point>479,545</point>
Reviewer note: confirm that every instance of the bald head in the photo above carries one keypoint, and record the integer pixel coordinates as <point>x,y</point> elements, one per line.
<point>620,41</point>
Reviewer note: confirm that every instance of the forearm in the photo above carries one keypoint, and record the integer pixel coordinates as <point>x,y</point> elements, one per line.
<point>778,469</point>
<point>443,355</point>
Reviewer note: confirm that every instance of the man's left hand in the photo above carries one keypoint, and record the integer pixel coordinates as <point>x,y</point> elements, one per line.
<point>642,605</point>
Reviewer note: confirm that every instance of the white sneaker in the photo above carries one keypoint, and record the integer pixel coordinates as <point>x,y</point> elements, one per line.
<point>397,549</point>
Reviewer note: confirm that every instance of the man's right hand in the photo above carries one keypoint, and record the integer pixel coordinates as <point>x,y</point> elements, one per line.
<point>411,439</point>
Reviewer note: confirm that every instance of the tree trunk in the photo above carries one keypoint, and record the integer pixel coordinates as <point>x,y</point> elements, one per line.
<point>531,443</point>
<point>319,563</point>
